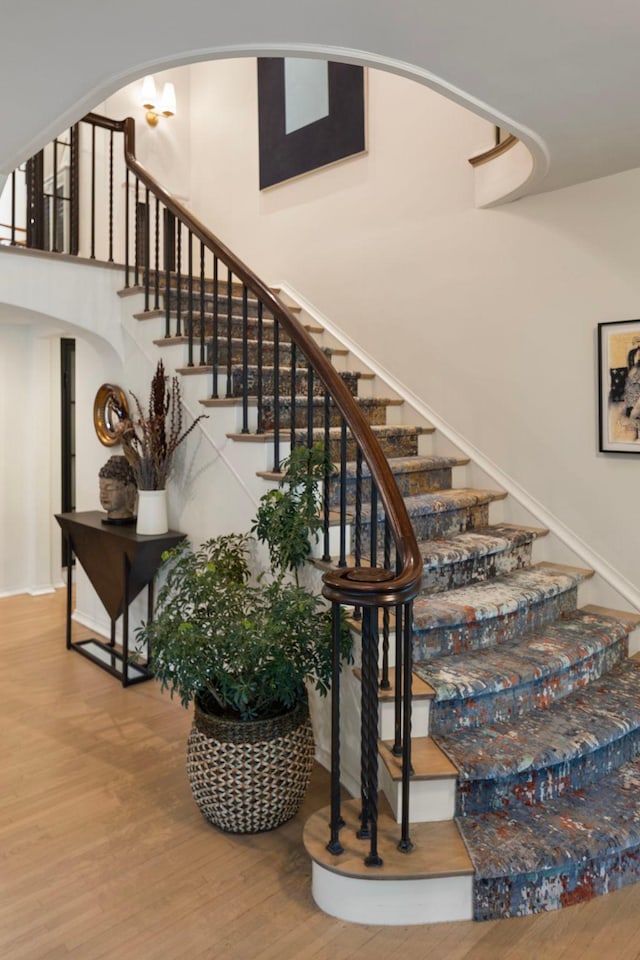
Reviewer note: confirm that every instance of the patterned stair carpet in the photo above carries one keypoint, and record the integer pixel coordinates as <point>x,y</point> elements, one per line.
<point>558,852</point>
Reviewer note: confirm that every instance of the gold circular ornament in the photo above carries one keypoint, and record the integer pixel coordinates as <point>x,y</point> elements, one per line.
<point>109,408</point>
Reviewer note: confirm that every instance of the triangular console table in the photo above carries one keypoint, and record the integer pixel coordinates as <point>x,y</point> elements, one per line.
<point>119,563</point>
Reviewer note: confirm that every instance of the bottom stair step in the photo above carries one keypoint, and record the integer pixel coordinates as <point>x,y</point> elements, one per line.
<point>558,853</point>
<point>432,883</point>
<point>576,741</point>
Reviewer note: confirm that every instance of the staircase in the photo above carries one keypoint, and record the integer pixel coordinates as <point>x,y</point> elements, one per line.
<point>503,728</point>
<point>526,706</point>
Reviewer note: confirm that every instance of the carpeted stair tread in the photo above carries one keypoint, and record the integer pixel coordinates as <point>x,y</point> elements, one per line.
<point>559,645</point>
<point>472,544</point>
<point>502,595</point>
<point>597,820</point>
<point>470,556</point>
<point>559,852</point>
<point>500,683</point>
<point>399,465</point>
<point>443,501</point>
<point>409,465</point>
<point>605,711</point>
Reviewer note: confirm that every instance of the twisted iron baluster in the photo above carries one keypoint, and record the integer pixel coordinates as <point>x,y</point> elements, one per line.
<point>326,501</point>
<point>405,844</point>
<point>259,384</point>
<point>214,332</point>
<point>336,822</point>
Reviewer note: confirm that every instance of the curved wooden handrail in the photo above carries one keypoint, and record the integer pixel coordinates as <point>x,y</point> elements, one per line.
<point>362,587</point>
<point>495,151</point>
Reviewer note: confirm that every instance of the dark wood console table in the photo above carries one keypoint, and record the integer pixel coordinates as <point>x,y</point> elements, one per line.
<point>119,563</point>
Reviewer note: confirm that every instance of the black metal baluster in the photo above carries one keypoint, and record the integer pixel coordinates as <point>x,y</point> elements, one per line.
<point>156,293</point>
<point>405,844</point>
<point>146,257</point>
<point>74,192</point>
<point>357,522</point>
<point>373,859</point>
<point>111,196</point>
<point>310,405</point>
<point>397,701</point>
<point>342,560</point>
<point>384,681</point>
<point>190,297</point>
<point>373,547</point>
<point>136,238</point>
<point>54,243</point>
<point>179,279</point>
<point>276,395</point>
<point>214,332</point>
<point>259,383</point>
<point>202,323</point>
<point>336,822</point>
<point>365,719</point>
<point>126,227</point>
<point>245,360</point>
<point>328,479</point>
<point>92,255</point>
<point>229,333</point>
<point>13,209</point>
<point>294,394</point>
<point>169,222</point>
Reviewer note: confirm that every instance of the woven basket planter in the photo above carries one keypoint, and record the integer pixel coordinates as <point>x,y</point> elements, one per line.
<point>248,776</point>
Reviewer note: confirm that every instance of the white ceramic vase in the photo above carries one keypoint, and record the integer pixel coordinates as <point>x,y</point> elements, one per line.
<point>152,512</point>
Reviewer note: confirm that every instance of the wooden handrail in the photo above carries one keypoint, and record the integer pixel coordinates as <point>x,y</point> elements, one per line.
<point>364,586</point>
<point>495,151</point>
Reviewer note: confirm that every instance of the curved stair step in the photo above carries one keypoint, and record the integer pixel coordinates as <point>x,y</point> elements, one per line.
<point>558,853</point>
<point>476,555</point>
<point>576,741</point>
<point>432,883</point>
<point>500,683</point>
<point>443,512</point>
<point>497,611</point>
<point>414,475</point>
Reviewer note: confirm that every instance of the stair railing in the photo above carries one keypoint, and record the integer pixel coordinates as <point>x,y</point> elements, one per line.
<point>254,349</point>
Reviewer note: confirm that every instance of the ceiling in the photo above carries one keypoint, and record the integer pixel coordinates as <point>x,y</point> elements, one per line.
<point>564,76</point>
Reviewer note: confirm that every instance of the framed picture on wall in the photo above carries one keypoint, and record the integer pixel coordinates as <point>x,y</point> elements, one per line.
<point>310,113</point>
<point>619,386</point>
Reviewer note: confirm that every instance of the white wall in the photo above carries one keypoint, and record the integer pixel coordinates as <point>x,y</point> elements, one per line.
<point>488,316</point>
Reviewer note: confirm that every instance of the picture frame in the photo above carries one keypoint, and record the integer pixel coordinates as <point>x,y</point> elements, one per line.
<point>619,387</point>
<point>338,135</point>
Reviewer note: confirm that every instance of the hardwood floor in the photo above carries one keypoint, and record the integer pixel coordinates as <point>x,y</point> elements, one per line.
<point>104,855</point>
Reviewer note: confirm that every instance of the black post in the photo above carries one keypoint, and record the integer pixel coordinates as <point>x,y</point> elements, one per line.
<point>405,844</point>
<point>336,822</point>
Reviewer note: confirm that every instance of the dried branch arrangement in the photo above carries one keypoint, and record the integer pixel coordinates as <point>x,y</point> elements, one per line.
<point>150,440</point>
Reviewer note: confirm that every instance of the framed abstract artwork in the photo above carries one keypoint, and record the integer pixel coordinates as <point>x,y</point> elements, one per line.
<point>311,113</point>
<point>619,386</point>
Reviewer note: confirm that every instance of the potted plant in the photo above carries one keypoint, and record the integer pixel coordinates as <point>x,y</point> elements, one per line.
<point>242,649</point>
<point>149,442</point>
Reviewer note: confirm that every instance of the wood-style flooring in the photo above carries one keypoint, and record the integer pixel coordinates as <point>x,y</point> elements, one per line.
<point>104,855</point>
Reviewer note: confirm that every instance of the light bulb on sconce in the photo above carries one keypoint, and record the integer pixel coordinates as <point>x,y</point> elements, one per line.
<point>149,101</point>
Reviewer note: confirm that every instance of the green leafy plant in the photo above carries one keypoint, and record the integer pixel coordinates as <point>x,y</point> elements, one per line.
<point>246,647</point>
<point>289,516</point>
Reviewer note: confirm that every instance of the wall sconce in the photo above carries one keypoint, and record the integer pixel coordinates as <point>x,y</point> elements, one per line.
<point>149,101</point>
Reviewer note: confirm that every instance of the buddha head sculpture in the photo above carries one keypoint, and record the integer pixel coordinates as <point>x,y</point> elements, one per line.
<point>117,489</point>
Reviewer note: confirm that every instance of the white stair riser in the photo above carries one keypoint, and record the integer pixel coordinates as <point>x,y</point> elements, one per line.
<point>392,902</point>
<point>429,799</point>
<point>420,710</point>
